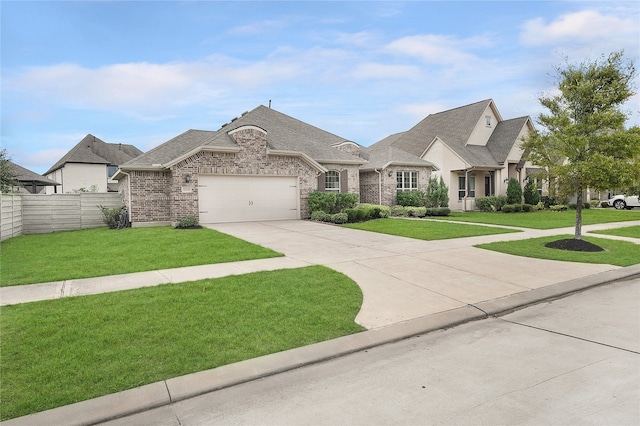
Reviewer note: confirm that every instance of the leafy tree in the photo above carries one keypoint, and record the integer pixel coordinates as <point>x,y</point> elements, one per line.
<point>530,193</point>
<point>584,143</point>
<point>514,192</point>
<point>437,193</point>
<point>7,176</point>
<point>444,193</point>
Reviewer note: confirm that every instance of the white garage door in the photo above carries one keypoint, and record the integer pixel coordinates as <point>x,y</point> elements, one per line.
<point>247,198</point>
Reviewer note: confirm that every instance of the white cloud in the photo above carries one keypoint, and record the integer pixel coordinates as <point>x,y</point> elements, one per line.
<point>256,28</point>
<point>439,49</point>
<point>583,27</point>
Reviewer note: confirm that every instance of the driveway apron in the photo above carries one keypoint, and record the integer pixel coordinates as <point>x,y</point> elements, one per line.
<point>402,278</point>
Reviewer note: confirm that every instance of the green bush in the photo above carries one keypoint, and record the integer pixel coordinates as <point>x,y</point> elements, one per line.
<point>586,205</point>
<point>594,203</point>
<point>416,211</point>
<point>411,198</point>
<point>385,211</point>
<point>438,211</point>
<point>508,208</point>
<point>189,221</point>
<point>558,208</point>
<point>527,207</point>
<point>514,192</point>
<point>397,211</point>
<point>573,206</point>
<point>540,206</point>
<point>437,193</point>
<point>491,203</point>
<point>111,217</point>
<point>530,192</point>
<point>339,218</point>
<point>517,208</point>
<point>331,202</point>
<point>318,215</point>
<point>604,204</point>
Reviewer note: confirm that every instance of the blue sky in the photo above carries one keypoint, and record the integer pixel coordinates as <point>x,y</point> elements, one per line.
<point>143,72</point>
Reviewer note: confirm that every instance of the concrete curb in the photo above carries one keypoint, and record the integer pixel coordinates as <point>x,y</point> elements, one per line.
<point>158,394</point>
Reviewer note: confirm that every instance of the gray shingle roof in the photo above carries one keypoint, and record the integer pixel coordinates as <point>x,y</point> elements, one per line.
<point>454,127</point>
<point>283,133</point>
<point>92,150</point>
<point>26,175</point>
<point>381,157</point>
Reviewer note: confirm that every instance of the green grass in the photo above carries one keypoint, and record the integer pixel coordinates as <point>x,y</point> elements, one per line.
<point>62,351</point>
<point>545,219</point>
<point>426,230</point>
<point>629,231</point>
<point>620,253</point>
<point>29,259</point>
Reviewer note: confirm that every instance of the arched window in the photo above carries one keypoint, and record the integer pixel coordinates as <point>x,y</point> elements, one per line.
<point>332,181</point>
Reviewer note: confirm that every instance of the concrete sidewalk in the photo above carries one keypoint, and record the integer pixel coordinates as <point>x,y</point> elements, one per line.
<point>410,287</point>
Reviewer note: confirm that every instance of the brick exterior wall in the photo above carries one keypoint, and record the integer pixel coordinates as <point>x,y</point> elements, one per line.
<point>369,185</point>
<point>166,196</point>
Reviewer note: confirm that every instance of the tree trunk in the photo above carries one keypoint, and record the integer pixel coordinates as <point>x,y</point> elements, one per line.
<point>578,235</point>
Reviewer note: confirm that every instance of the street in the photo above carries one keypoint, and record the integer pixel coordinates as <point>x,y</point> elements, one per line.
<point>575,360</point>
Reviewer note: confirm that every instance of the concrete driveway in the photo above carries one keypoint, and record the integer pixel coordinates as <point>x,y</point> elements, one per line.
<point>402,278</point>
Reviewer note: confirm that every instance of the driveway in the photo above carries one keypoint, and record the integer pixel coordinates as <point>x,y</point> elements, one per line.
<point>402,278</point>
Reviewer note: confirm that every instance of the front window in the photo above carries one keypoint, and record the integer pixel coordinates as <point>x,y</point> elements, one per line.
<point>462,188</point>
<point>332,181</point>
<point>407,181</point>
<point>111,170</point>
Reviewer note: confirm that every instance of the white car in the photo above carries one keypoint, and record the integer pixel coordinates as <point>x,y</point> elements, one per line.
<point>624,202</point>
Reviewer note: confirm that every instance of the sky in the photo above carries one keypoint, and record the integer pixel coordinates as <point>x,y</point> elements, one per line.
<point>143,72</point>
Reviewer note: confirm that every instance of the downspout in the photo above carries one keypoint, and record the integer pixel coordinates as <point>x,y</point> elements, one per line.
<point>379,186</point>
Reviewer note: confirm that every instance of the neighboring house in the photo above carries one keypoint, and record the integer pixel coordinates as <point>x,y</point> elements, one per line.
<point>30,182</point>
<point>472,147</point>
<point>90,166</point>
<point>261,166</point>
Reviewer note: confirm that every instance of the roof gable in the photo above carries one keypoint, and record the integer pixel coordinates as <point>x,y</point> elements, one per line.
<point>26,175</point>
<point>92,150</point>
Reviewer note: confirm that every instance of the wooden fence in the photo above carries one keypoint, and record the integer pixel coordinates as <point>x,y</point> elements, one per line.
<point>39,214</point>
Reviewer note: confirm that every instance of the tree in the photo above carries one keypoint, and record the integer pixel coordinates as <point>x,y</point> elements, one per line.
<point>7,176</point>
<point>514,192</point>
<point>584,143</point>
<point>530,192</point>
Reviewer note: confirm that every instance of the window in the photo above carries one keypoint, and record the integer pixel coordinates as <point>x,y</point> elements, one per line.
<point>488,120</point>
<point>332,181</point>
<point>407,181</point>
<point>111,170</point>
<point>462,187</point>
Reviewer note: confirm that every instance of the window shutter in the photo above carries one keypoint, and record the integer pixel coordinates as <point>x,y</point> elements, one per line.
<point>321,182</point>
<point>344,182</point>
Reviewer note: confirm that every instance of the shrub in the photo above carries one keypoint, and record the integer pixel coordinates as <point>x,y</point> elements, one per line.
<point>517,208</point>
<point>586,205</point>
<point>594,203</point>
<point>437,193</point>
<point>438,211</point>
<point>416,211</point>
<point>385,211</point>
<point>540,206</point>
<point>527,207</point>
<point>411,198</point>
<point>558,208</point>
<point>345,201</point>
<point>397,211</point>
<point>490,203</point>
<point>514,192</point>
<point>530,192</point>
<point>318,215</point>
<point>508,208</point>
<point>339,218</point>
<point>111,217</point>
<point>548,201</point>
<point>322,201</point>
<point>604,204</point>
<point>189,221</point>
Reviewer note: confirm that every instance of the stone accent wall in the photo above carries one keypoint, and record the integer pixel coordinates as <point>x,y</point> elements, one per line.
<point>167,196</point>
<point>353,173</point>
<point>369,188</point>
<point>350,148</point>
<point>369,185</point>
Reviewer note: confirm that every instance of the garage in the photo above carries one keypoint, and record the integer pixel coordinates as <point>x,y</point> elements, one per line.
<point>234,198</point>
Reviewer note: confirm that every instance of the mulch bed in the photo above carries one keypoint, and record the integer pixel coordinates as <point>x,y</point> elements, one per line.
<point>574,245</point>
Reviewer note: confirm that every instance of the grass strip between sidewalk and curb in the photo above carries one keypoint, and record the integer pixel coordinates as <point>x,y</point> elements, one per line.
<point>544,219</point>
<point>619,253</point>
<point>426,230</point>
<point>96,252</point>
<point>63,351</point>
<point>629,231</point>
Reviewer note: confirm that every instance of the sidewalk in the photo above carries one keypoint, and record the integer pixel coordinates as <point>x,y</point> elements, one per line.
<point>410,287</point>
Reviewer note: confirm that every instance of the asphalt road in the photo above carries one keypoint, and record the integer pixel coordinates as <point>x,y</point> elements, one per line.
<point>571,361</point>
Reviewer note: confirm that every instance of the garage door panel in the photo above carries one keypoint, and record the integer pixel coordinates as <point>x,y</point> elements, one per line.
<point>247,198</point>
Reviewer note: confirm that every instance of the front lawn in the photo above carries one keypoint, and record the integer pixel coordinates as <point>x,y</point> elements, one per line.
<point>58,352</point>
<point>629,231</point>
<point>425,229</point>
<point>620,253</point>
<point>545,219</point>
<point>38,258</point>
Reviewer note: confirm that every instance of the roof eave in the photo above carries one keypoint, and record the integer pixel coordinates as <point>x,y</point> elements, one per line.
<point>313,163</point>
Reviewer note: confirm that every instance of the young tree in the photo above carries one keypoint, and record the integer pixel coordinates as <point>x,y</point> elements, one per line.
<point>514,192</point>
<point>530,192</point>
<point>584,143</point>
<point>7,176</point>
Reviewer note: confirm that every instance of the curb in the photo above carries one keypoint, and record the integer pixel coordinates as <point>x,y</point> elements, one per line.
<point>154,395</point>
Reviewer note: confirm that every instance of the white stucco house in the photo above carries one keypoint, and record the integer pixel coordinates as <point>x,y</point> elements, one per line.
<point>90,165</point>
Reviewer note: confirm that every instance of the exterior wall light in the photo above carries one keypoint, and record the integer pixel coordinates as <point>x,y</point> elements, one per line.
<point>187,178</point>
